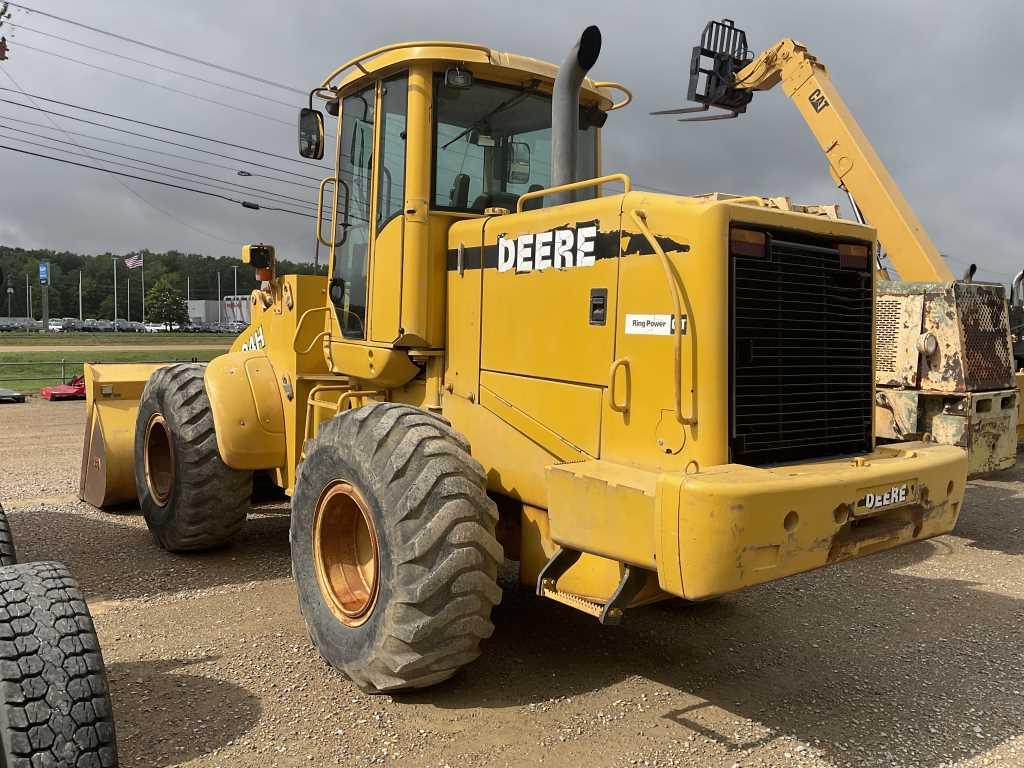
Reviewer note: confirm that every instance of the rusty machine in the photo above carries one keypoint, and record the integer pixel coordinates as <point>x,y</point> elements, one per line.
<point>943,356</point>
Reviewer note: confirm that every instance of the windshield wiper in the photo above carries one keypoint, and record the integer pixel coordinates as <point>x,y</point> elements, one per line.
<point>479,122</point>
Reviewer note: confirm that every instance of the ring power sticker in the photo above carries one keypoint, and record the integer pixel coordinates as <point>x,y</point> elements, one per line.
<point>652,325</point>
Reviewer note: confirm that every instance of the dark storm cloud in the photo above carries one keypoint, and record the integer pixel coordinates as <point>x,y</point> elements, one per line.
<point>931,83</point>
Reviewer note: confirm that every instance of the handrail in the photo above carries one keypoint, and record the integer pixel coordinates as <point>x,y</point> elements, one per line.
<point>626,182</point>
<point>358,60</point>
<point>679,299</point>
<point>298,329</point>
<point>616,87</point>
<point>318,224</point>
<point>313,404</point>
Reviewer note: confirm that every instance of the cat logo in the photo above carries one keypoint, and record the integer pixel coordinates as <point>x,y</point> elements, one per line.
<point>818,100</point>
<point>256,341</point>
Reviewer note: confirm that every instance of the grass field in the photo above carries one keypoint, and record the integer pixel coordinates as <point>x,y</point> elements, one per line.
<point>28,371</point>
<point>106,339</point>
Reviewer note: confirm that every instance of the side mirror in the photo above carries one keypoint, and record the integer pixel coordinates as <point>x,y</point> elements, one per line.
<point>311,134</point>
<point>517,163</point>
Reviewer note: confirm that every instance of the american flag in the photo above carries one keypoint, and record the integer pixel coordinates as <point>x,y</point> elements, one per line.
<point>134,261</point>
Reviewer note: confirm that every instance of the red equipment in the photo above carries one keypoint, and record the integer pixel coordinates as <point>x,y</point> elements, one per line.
<point>73,390</point>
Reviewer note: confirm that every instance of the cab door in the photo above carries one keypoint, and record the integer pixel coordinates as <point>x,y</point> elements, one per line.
<point>368,260</point>
<point>354,211</point>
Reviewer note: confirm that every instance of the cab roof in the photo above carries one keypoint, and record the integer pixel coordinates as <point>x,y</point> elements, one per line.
<point>485,63</point>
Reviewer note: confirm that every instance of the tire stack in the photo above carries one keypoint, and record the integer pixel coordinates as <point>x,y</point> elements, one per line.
<point>54,697</point>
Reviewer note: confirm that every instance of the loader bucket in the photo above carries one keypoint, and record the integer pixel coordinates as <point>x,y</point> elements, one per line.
<point>112,393</point>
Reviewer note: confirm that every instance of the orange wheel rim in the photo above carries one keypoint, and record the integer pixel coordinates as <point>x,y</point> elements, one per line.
<point>346,553</point>
<point>159,459</point>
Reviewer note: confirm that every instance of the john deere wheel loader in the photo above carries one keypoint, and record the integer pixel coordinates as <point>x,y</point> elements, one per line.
<point>943,352</point>
<point>635,395</point>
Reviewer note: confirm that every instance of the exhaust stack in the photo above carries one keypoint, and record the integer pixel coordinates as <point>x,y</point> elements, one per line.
<point>565,110</point>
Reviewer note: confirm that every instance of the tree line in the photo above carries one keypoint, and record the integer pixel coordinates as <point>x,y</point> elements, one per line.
<point>178,271</point>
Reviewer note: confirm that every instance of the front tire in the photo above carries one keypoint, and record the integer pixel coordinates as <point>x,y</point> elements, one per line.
<point>393,547</point>
<point>190,498</point>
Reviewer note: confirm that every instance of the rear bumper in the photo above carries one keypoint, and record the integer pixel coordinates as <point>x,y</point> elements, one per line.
<point>740,526</point>
<point>732,526</point>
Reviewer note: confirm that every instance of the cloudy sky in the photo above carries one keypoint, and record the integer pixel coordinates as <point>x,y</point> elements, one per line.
<point>932,84</point>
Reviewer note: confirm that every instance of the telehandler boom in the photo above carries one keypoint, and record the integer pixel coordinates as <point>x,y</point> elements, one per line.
<point>943,355</point>
<point>636,396</point>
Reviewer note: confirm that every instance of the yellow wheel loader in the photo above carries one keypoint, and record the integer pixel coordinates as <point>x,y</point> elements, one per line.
<point>634,395</point>
<point>943,352</point>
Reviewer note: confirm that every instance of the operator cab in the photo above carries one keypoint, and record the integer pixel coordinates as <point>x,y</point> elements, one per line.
<point>427,134</point>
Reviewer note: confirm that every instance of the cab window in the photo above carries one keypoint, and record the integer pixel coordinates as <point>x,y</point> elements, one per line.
<point>348,280</point>
<point>492,143</point>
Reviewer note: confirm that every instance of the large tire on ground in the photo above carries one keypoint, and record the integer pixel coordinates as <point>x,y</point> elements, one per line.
<point>54,699</point>
<point>190,498</point>
<point>393,547</point>
<point>8,554</point>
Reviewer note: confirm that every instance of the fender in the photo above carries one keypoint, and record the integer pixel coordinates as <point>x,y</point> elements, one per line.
<point>248,414</point>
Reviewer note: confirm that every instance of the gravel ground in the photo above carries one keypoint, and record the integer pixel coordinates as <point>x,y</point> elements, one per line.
<point>909,658</point>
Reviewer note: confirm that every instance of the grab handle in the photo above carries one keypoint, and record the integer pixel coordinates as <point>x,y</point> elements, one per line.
<point>613,402</point>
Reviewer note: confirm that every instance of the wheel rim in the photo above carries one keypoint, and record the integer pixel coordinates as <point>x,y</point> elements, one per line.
<point>159,459</point>
<point>346,553</point>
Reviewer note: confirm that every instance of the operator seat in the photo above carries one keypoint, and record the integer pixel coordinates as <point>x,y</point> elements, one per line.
<point>495,200</point>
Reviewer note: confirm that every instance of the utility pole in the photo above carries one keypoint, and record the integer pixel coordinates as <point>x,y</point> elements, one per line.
<point>128,278</point>
<point>236,279</point>
<point>28,299</point>
<point>142,268</point>
<point>114,260</point>
<point>80,296</point>
<point>10,293</point>
<point>220,299</point>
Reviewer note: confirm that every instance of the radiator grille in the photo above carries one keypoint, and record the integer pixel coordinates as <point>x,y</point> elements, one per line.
<point>800,353</point>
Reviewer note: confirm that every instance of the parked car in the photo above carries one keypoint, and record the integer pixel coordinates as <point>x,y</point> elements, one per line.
<point>154,327</point>
<point>72,324</point>
<point>104,325</point>
<point>55,326</point>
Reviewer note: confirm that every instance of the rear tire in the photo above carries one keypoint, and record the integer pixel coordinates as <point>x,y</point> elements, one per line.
<point>393,547</point>
<point>190,498</point>
<point>8,554</point>
<point>54,698</point>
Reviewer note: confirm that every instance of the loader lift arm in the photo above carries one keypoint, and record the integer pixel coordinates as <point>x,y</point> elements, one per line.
<point>853,162</point>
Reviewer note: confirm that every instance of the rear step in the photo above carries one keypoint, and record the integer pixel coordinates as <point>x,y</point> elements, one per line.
<point>632,581</point>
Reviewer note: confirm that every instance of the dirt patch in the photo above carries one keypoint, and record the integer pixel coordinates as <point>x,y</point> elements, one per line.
<point>907,658</point>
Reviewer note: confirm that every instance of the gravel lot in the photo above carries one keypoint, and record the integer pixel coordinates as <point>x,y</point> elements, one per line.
<point>909,658</point>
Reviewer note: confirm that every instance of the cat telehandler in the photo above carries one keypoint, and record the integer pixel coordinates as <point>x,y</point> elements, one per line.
<point>635,395</point>
<point>943,352</point>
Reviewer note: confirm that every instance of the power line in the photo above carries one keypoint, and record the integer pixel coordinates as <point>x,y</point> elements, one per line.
<point>154,151</point>
<point>155,85</point>
<point>151,65</point>
<point>165,128</point>
<point>138,195</point>
<point>229,184</point>
<point>151,138</point>
<point>244,203</point>
<point>162,50</point>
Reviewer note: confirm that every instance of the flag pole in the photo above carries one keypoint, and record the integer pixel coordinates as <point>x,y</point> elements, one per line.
<point>143,268</point>
<point>115,291</point>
